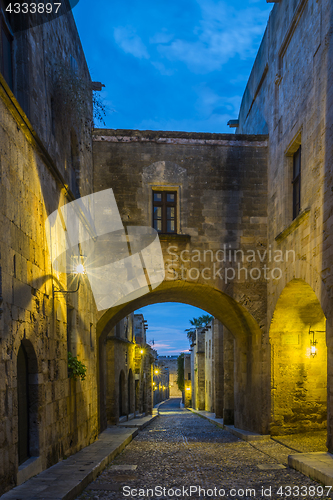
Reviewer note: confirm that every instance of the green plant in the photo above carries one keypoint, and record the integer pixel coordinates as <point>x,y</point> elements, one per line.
<point>200,322</point>
<point>180,372</point>
<point>76,368</point>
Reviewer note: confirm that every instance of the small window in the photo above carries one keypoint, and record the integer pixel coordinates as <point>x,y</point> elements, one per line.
<point>165,211</point>
<point>296,183</point>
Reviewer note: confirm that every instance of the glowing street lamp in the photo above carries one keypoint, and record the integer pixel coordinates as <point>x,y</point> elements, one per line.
<point>78,270</point>
<point>314,342</point>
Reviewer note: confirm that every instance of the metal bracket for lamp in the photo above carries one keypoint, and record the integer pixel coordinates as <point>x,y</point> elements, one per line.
<point>68,291</point>
<point>79,271</point>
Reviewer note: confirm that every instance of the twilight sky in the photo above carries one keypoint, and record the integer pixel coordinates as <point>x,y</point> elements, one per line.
<point>171,65</point>
<point>166,325</point>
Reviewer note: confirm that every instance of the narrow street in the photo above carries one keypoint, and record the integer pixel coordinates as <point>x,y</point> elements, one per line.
<point>180,450</point>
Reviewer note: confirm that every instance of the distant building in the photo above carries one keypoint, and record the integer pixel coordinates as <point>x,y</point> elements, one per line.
<point>161,382</point>
<point>170,362</point>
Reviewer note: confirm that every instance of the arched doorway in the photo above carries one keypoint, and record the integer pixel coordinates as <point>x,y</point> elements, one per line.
<point>23,405</point>
<point>27,402</point>
<point>122,394</point>
<point>251,374</point>
<point>298,362</point>
<point>130,391</point>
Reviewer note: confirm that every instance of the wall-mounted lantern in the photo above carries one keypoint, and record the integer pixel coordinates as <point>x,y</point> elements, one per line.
<point>313,341</point>
<point>78,270</point>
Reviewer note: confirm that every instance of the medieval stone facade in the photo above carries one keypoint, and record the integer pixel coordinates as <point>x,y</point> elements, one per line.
<point>289,96</point>
<point>127,371</point>
<point>46,161</point>
<point>170,362</point>
<point>245,225</point>
<point>219,182</point>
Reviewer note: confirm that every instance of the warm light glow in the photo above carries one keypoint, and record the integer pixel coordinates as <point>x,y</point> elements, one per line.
<point>188,388</point>
<point>157,372</point>
<point>79,269</point>
<point>313,350</point>
<point>141,351</point>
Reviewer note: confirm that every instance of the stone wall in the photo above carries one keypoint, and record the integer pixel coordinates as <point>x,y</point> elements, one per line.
<point>209,369</point>
<point>289,96</point>
<point>35,174</point>
<point>187,381</point>
<point>120,375</point>
<point>220,180</point>
<point>171,363</point>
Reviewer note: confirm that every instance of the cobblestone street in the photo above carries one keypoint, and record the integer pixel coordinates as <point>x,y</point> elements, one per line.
<point>180,450</point>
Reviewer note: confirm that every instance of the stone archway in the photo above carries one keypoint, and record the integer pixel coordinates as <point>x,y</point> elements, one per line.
<point>298,378</point>
<point>250,371</point>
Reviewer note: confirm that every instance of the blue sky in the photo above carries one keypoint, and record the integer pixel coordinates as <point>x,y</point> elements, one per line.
<point>166,326</point>
<point>171,65</point>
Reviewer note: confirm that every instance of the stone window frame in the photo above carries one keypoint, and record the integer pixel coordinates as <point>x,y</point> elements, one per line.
<point>164,204</point>
<point>171,188</point>
<point>297,181</point>
<point>294,145</point>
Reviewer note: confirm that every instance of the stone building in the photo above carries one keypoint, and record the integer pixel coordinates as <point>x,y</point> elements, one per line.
<point>187,381</point>
<point>205,194</point>
<point>208,376</point>
<point>161,382</point>
<point>228,209</point>
<point>289,97</point>
<point>46,162</point>
<point>170,362</point>
<point>127,370</point>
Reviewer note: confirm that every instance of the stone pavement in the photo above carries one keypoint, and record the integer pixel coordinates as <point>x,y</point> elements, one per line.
<point>318,466</point>
<point>180,450</point>
<point>67,479</point>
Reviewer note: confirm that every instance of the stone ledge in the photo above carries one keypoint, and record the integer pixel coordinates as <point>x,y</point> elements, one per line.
<point>28,469</point>
<point>67,479</point>
<point>295,223</point>
<point>138,423</point>
<point>208,416</point>
<point>246,435</point>
<point>172,137</point>
<point>317,466</point>
<point>174,237</point>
